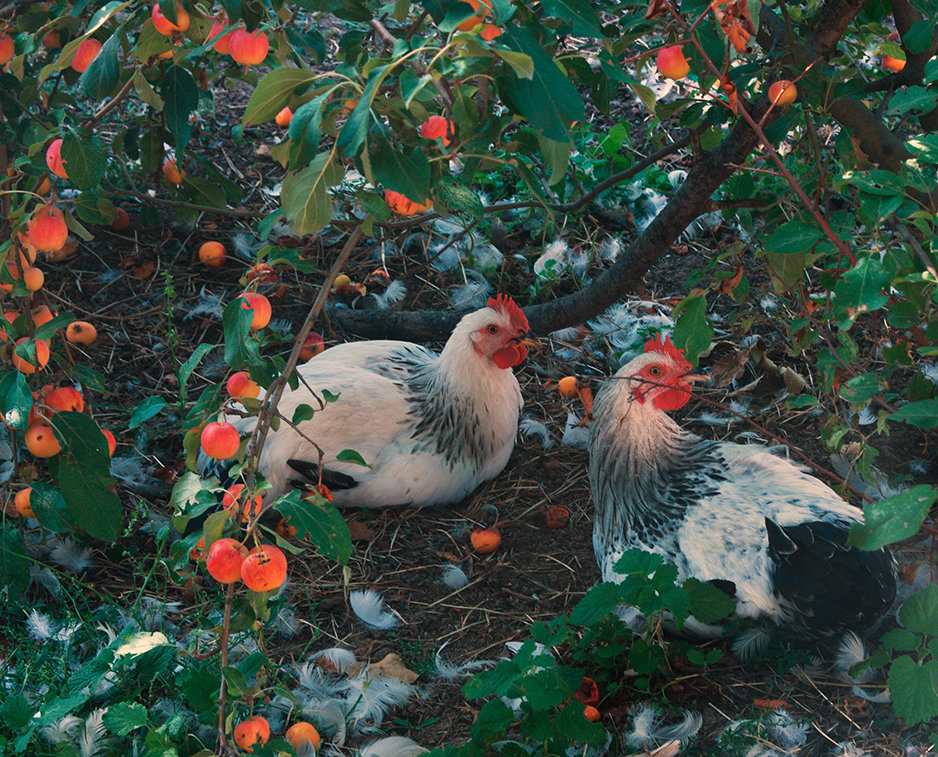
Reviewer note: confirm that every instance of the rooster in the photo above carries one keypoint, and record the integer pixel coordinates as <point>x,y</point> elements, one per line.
<point>431,427</point>
<point>751,523</point>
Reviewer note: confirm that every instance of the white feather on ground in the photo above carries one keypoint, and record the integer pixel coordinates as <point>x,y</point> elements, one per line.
<point>852,650</point>
<point>370,608</point>
<point>751,643</point>
<point>557,258</point>
<point>39,626</point>
<point>487,257</point>
<point>575,435</point>
<point>335,658</point>
<point>787,732</point>
<point>454,577</point>
<point>92,738</point>
<point>450,671</point>
<point>529,426</point>
<point>208,305</point>
<point>369,697</point>
<point>628,325</point>
<point>61,730</point>
<point>45,578</point>
<point>70,555</point>
<point>392,746</point>
<point>647,729</point>
<point>471,295</point>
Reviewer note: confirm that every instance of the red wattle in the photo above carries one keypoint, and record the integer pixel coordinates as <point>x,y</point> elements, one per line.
<point>510,355</point>
<point>672,399</point>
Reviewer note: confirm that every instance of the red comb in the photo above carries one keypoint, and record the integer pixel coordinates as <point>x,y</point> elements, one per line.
<point>665,347</point>
<point>507,306</point>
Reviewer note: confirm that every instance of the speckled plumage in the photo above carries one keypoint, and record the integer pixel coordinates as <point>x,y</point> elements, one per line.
<point>431,426</point>
<point>726,512</point>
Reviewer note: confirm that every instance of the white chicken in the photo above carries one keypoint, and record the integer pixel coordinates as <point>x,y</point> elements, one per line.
<point>753,524</point>
<point>431,427</point>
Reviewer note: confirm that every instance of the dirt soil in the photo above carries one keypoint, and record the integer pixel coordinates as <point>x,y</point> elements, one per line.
<point>120,280</point>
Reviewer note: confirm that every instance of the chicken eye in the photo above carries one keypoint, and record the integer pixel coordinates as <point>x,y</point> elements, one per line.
<point>492,328</point>
<point>655,371</point>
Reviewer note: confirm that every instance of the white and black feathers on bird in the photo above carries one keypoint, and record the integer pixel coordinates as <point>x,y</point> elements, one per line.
<point>431,427</point>
<point>752,523</point>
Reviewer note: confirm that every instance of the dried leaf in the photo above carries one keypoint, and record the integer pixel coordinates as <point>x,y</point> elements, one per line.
<point>727,285</point>
<point>360,532</point>
<point>393,667</point>
<point>656,8</point>
<point>794,382</point>
<point>729,368</point>
<point>586,397</point>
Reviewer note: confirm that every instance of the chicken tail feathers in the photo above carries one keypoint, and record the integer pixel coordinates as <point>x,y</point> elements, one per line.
<point>333,479</point>
<point>828,586</point>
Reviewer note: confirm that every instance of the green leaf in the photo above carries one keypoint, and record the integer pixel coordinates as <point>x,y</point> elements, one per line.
<point>146,409</point>
<point>557,155</point>
<point>85,159</point>
<point>860,289</point>
<point>923,414</point>
<point>123,717</point>
<point>16,400</point>
<point>352,136</point>
<point>547,100</point>
<point>912,98</point>
<point>185,370</point>
<point>580,13</point>
<point>920,611</point>
<point>16,711</point>
<point>204,192</point>
<point>521,64</point>
<point>597,603</point>
<point>497,681</point>
<point>692,330</point>
<point>861,388</point>
<point>102,76</point>
<point>180,94</point>
<point>302,413</point>
<point>316,519</point>
<point>351,456</point>
<point>272,93</point>
<point>912,689</point>
<point>82,474</point>
<point>892,519</point>
<point>792,238</point>
<point>50,508</point>
<point>571,722</point>
<point>146,92</point>
<point>900,640</point>
<point>707,603</point>
<point>493,719</point>
<point>14,564</point>
<point>50,327</point>
<point>452,196</point>
<point>400,172</point>
<point>305,196</point>
<point>236,325</point>
<point>550,687</point>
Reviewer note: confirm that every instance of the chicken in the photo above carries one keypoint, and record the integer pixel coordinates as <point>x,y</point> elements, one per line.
<point>753,524</point>
<point>431,427</point>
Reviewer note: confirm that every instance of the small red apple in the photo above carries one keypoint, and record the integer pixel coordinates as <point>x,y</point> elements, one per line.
<point>166,27</point>
<point>485,540</point>
<point>47,231</point>
<point>893,64</point>
<point>54,159</point>
<point>261,307</point>
<point>671,62</point>
<point>220,45</point>
<point>246,48</point>
<point>264,569</point>
<point>87,51</point>
<point>312,346</point>
<point>252,731</point>
<point>220,440</point>
<point>782,92</point>
<point>284,117</point>
<point>241,384</point>
<point>224,560</point>
<point>7,49</point>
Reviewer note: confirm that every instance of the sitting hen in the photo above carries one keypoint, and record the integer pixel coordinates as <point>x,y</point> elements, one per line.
<point>432,427</point>
<point>754,524</point>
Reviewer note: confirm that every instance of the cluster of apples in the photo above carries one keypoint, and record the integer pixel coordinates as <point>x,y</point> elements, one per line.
<point>303,736</point>
<point>672,64</point>
<point>244,47</point>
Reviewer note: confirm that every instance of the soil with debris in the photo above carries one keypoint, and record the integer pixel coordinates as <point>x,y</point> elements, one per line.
<point>128,284</point>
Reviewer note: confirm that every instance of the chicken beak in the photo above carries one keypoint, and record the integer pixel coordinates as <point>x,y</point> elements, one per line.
<point>692,377</point>
<point>527,340</point>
